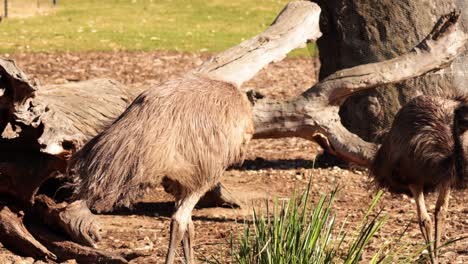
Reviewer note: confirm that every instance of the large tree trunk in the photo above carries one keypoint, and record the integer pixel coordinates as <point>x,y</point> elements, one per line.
<point>357,32</point>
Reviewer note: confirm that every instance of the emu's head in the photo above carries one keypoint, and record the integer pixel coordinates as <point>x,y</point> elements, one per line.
<point>461,119</point>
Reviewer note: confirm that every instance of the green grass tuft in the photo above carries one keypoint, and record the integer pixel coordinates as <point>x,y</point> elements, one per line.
<point>295,233</point>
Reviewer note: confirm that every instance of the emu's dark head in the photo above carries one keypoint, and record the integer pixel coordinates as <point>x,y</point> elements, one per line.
<point>461,144</point>
<point>461,119</point>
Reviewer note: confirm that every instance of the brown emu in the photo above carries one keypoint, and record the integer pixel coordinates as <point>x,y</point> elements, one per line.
<point>184,133</point>
<point>425,149</point>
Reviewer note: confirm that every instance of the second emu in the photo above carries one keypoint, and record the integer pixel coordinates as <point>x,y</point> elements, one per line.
<point>183,133</point>
<point>426,149</point>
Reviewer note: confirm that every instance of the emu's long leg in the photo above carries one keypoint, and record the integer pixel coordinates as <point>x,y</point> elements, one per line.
<point>180,224</point>
<point>187,243</point>
<point>425,222</point>
<point>440,214</point>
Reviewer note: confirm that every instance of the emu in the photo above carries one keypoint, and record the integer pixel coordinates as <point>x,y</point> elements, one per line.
<point>183,134</point>
<point>425,150</point>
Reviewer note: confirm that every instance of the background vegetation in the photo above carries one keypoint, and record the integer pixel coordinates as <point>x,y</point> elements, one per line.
<point>134,25</point>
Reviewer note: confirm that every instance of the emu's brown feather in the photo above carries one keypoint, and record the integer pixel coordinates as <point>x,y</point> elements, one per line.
<point>423,145</point>
<point>189,130</point>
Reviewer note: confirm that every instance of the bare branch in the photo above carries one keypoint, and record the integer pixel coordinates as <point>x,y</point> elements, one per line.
<point>314,114</point>
<point>294,26</point>
<point>436,51</point>
<point>311,120</point>
<point>339,141</point>
<point>15,236</point>
<point>75,219</point>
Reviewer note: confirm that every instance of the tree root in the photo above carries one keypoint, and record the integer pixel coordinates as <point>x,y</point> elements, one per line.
<point>15,237</point>
<point>65,250</point>
<point>75,219</point>
<point>44,231</point>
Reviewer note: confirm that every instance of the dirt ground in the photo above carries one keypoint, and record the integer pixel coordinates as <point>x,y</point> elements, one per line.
<point>274,168</point>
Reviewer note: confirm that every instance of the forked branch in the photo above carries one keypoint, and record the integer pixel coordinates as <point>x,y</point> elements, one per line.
<point>297,24</point>
<point>436,51</point>
<point>314,114</point>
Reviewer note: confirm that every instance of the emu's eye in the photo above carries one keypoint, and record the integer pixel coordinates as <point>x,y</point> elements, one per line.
<point>464,123</point>
<point>461,114</point>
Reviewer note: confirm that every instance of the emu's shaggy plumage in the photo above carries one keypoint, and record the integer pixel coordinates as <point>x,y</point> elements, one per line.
<point>187,131</point>
<point>425,149</point>
<point>422,146</point>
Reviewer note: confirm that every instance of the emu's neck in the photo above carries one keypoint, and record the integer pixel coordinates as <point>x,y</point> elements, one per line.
<point>460,136</point>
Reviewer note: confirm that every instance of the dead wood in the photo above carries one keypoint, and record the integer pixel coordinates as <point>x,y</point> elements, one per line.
<point>58,119</point>
<point>58,110</point>
<point>65,249</point>
<point>314,114</point>
<point>41,126</point>
<point>75,219</point>
<point>69,115</point>
<point>297,24</point>
<point>17,238</point>
<point>23,172</point>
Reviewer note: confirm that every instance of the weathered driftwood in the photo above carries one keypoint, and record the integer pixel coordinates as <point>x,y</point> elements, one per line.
<point>314,114</point>
<point>40,127</point>
<point>77,222</point>
<point>295,25</point>
<point>58,119</point>
<point>65,249</point>
<point>75,219</point>
<point>17,238</point>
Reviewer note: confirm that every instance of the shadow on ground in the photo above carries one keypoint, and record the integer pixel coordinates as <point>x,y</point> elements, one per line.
<point>321,161</point>
<point>166,209</point>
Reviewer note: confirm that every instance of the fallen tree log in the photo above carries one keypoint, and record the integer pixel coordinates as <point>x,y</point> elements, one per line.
<point>77,222</point>
<point>17,238</point>
<point>41,127</point>
<point>314,114</point>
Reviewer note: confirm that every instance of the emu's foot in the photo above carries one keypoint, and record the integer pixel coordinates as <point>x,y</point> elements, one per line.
<point>75,219</point>
<point>15,236</point>
<point>219,196</point>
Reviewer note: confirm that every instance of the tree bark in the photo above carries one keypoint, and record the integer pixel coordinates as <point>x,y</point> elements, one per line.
<point>66,250</point>
<point>75,219</point>
<point>361,32</point>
